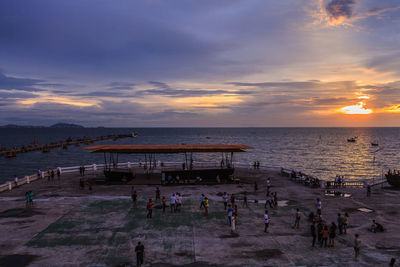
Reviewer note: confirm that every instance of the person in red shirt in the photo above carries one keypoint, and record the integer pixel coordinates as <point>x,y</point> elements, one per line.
<point>164,204</point>
<point>149,209</point>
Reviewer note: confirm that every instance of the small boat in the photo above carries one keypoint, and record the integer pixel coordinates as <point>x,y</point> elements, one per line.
<point>374,144</point>
<point>352,139</point>
<point>11,154</point>
<point>393,179</point>
<point>135,134</point>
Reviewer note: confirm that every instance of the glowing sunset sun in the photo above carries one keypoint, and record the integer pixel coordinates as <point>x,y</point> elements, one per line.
<point>356,109</point>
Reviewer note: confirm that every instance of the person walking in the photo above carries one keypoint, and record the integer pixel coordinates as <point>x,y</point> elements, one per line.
<point>357,245</point>
<point>157,194</point>
<point>313,233</point>
<point>230,214</point>
<point>255,187</point>
<point>172,202</point>
<point>332,234</point>
<point>206,205</point>
<point>297,219</point>
<point>225,200</point>
<point>202,201</point>
<point>178,202</point>
<point>139,254</point>
<point>269,201</point>
<point>266,221</point>
<point>149,209</point>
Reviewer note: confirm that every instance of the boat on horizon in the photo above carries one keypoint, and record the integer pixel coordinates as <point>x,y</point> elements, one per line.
<point>352,139</point>
<point>374,144</point>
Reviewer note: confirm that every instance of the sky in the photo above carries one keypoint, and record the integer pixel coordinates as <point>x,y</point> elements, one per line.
<point>190,63</point>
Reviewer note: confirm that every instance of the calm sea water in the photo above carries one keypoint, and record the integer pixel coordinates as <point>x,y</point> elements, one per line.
<point>322,152</point>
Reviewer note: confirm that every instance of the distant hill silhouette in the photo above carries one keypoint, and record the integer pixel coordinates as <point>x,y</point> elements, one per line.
<point>57,125</point>
<point>66,125</point>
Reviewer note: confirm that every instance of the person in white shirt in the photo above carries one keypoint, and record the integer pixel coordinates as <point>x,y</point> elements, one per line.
<point>266,221</point>
<point>319,206</point>
<point>225,199</point>
<point>172,202</point>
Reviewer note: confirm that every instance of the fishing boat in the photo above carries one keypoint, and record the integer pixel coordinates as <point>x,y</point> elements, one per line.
<point>352,139</point>
<point>11,154</point>
<point>393,179</point>
<point>374,144</point>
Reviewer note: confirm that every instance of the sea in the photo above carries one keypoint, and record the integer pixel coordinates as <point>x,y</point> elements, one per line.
<point>321,152</point>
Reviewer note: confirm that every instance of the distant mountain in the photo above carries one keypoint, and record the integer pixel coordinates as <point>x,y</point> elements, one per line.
<point>66,125</point>
<point>57,125</point>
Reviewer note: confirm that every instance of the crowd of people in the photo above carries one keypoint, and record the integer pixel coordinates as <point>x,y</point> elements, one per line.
<point>302,178</point>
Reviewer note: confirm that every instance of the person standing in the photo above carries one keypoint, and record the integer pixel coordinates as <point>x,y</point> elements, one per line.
<point>332,234</point>
<point>255,187</point>
<point>319,206</point>
<point>157,194</point>
<point>58,174</point>
<point>164,204</point>
<point>31,198</point>
<point>346,222</point>
<point>149,209</point>
<point>172,202</point>
<point>266,221</point>
<point>139,254</point>
<point>320,228</point>
<point>313,233</point>
<point>233,200</point>
<point>357,244</point>
<point>16,180</point>
<point>368,190</point>
<point>225,200</point>
<point>325,234</point>
<point>268,183</point>
<point>27,199</point>
<point>340,222</point>
<point>134,198</point>
<point>178,202</point>
<point>206,205</point>
<point>245,200</point>
<point>297,219</point>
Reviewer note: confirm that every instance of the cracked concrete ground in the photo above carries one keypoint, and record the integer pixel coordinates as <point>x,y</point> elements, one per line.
<point>72,227</point>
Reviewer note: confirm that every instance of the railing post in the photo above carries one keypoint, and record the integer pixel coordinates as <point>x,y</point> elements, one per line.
<point>9,186</point>
<point>27,179</point>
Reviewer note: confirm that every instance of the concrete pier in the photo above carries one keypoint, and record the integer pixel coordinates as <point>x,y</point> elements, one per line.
<point>68,226</point>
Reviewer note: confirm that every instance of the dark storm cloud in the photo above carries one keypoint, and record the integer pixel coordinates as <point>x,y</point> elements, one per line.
<point>22,84</point>
<point>340,8</point>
